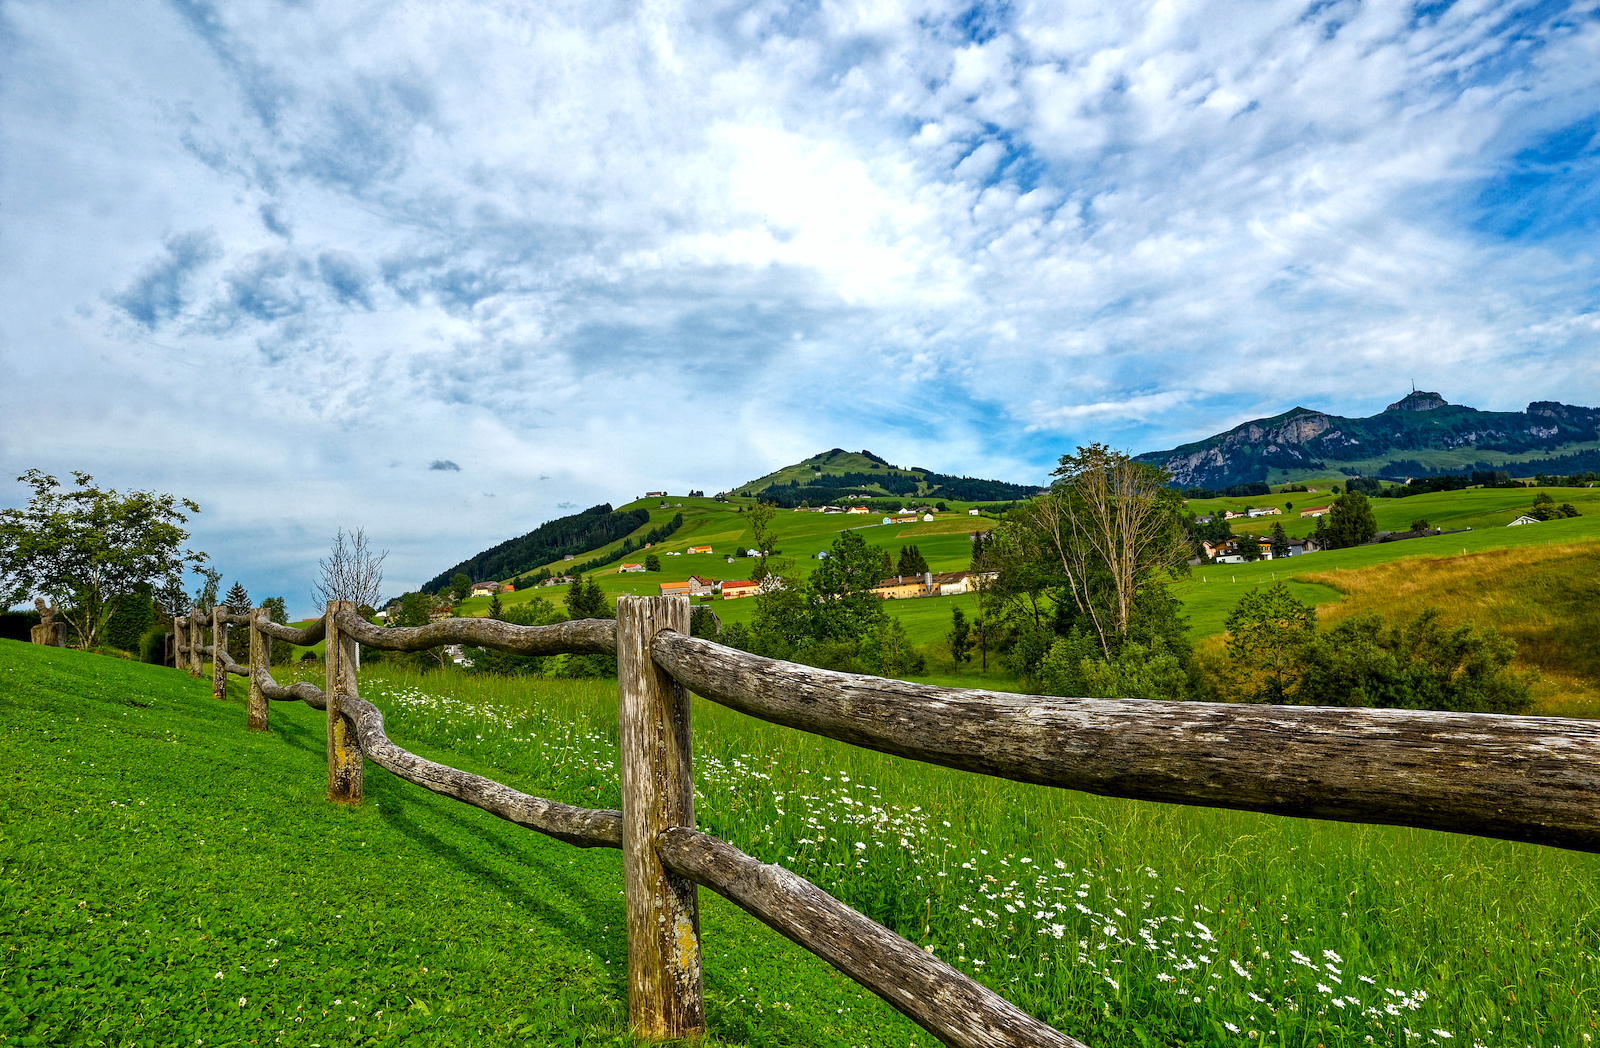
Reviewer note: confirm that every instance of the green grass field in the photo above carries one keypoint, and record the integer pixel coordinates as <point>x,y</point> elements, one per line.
<point>175,879</point>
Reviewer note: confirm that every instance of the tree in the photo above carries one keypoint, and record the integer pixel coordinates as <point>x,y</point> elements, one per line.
<point>1420,524</point>
<point>351,571</point>
<point>959,638</point>
<point>1110,526</point>
<point>652,562</point>
<point>205,595</point>
<point>760,520</point>
<point>1350,521</point>
<point>1266,631</point>
<point>238,600</point>
<point>460,586</point>
<point>87,548</point>
<point>496,609</point>
<point>279,651</point>
<point>839,593</point>
<point>1280,541</point>
<point>1249,548</point>
<point>911,562</point>
<point>585,601</point>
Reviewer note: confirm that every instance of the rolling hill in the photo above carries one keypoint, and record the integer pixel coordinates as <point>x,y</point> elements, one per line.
<point>834,474</point>
<point>1419,435</point>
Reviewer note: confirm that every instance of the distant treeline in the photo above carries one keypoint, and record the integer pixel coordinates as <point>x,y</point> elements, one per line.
<point>1232,491</point>
<point>653,536</point>
<point>1577,463</point>
<point>574,534</point>
<point>833,489</point>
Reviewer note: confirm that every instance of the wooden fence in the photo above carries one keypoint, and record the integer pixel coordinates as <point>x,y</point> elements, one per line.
<point>1516,778</point>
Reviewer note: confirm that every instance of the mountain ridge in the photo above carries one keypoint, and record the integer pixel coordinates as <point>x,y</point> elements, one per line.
<point>1419,434</point>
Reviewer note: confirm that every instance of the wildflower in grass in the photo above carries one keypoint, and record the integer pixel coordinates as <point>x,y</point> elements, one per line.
<point>1321,988</point>
<point>1231,1028</point>
<point>1330,955</point>
<point>1447,1035</point>
<point>241,1002</point>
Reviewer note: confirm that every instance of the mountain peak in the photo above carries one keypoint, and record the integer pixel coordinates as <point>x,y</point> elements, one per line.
<point>1417,400</point>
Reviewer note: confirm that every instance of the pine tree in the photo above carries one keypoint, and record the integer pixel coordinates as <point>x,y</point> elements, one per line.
<point>238,600</point>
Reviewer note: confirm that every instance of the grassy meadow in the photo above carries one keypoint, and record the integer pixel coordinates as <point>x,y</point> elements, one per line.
<point>175,879</point>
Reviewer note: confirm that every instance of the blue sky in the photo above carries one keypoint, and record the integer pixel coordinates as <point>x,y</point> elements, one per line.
<point>286,258</point>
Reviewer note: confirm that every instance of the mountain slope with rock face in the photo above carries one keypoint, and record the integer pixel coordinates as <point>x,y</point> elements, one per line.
<point>1418,434</point>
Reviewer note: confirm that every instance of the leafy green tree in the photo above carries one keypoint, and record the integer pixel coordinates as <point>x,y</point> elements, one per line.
<point>652,562</point>
<point>1420,524</point>
<point>888,652</point>
<point>959,638</point>
<point>1249,548</point>
<point>1350,521</point>
<point>703,623</point>
<point>760,520</point>
<point>280,651</point>
<point>839,593</point>
<point>1418,665</point>
<point>1266,632</point>
<point>460,586</point>
<point>87,548</point>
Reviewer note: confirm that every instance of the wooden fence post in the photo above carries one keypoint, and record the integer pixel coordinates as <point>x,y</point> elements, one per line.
<point>219,644</point>
<point>344,755</point>
<point>255,707</point>
<point>664,990</point>
<point>197,640</point>
<point>178,633</point>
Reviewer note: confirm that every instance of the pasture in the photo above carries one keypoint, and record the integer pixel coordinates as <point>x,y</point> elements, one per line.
<point>178,879</point>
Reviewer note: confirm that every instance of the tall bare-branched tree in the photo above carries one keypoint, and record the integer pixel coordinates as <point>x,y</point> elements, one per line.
<point>1112,525</point>
<point>351,571</point>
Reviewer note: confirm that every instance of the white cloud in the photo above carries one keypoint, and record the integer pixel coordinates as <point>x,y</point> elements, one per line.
<point>258,253</point>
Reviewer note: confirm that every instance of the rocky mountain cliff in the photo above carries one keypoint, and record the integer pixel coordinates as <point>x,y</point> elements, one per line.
<point>1399,441</point>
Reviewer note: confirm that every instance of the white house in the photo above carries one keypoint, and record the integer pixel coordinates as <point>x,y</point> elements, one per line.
<point>1524,519</point>
<point>972,512</point>
<point>631,567</point>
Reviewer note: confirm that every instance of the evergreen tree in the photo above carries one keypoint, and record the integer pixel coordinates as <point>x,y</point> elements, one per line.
<point>911,561</point>
<point>959,637</point>
<point>496,610</point>
<point>238,601</point>
<point>1280,541</point>
<point>282,651</point>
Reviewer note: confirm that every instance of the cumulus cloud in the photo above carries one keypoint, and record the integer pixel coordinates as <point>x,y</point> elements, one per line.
<point>965,235</point>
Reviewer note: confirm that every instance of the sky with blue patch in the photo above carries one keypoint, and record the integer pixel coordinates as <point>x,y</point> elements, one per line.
<point>447,271</point>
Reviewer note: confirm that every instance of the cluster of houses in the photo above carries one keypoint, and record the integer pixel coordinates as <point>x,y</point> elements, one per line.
<point>1260,511</point>
<point>928,584</point>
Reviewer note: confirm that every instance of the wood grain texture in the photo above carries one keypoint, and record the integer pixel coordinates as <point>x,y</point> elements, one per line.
<point>1534,779</point>
<point>300,691</point>
<point>344,755</point>
<point>256,707</point>
<point>664,984</point>
<point>583,636</point>
<point>954,1008</point>
<point>304,638</point>
<point>197,640</point>
<point>584,827</point>
<point>219,643</point>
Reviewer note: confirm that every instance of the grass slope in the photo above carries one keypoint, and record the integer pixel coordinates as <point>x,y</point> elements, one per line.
<point>1123,923</point>
<point>170,878</point>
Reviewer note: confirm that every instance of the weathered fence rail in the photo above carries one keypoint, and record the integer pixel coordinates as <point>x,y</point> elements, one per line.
<point>1517,778</point>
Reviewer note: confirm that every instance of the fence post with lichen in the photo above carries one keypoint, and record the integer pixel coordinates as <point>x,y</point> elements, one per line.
<point>344,752</point>
<point>664,987</point>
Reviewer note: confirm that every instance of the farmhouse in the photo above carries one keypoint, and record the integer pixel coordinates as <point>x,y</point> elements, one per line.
<point>655,494</point>
<point>631,567</point>
<point>699,587</point>
<point>489,586</point>
<point>857,509</point>
<point>903,586</point>
<point>1263,511</point>
<point>1315,511</point>
<point>699,549</point>
<point>673,589</point>
<point>1524,519</point>
<point>1207,519</point>
<point>734,589</point>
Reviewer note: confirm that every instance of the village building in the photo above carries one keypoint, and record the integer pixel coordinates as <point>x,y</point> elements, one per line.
<point>673,589</point>
<point>1315,511</point>
<point>1524,519</point>
<point>631,567</point>
<point>733,590</point>
<point>1263,511</point>
<point>488,587</point>
<point>699,549</point>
